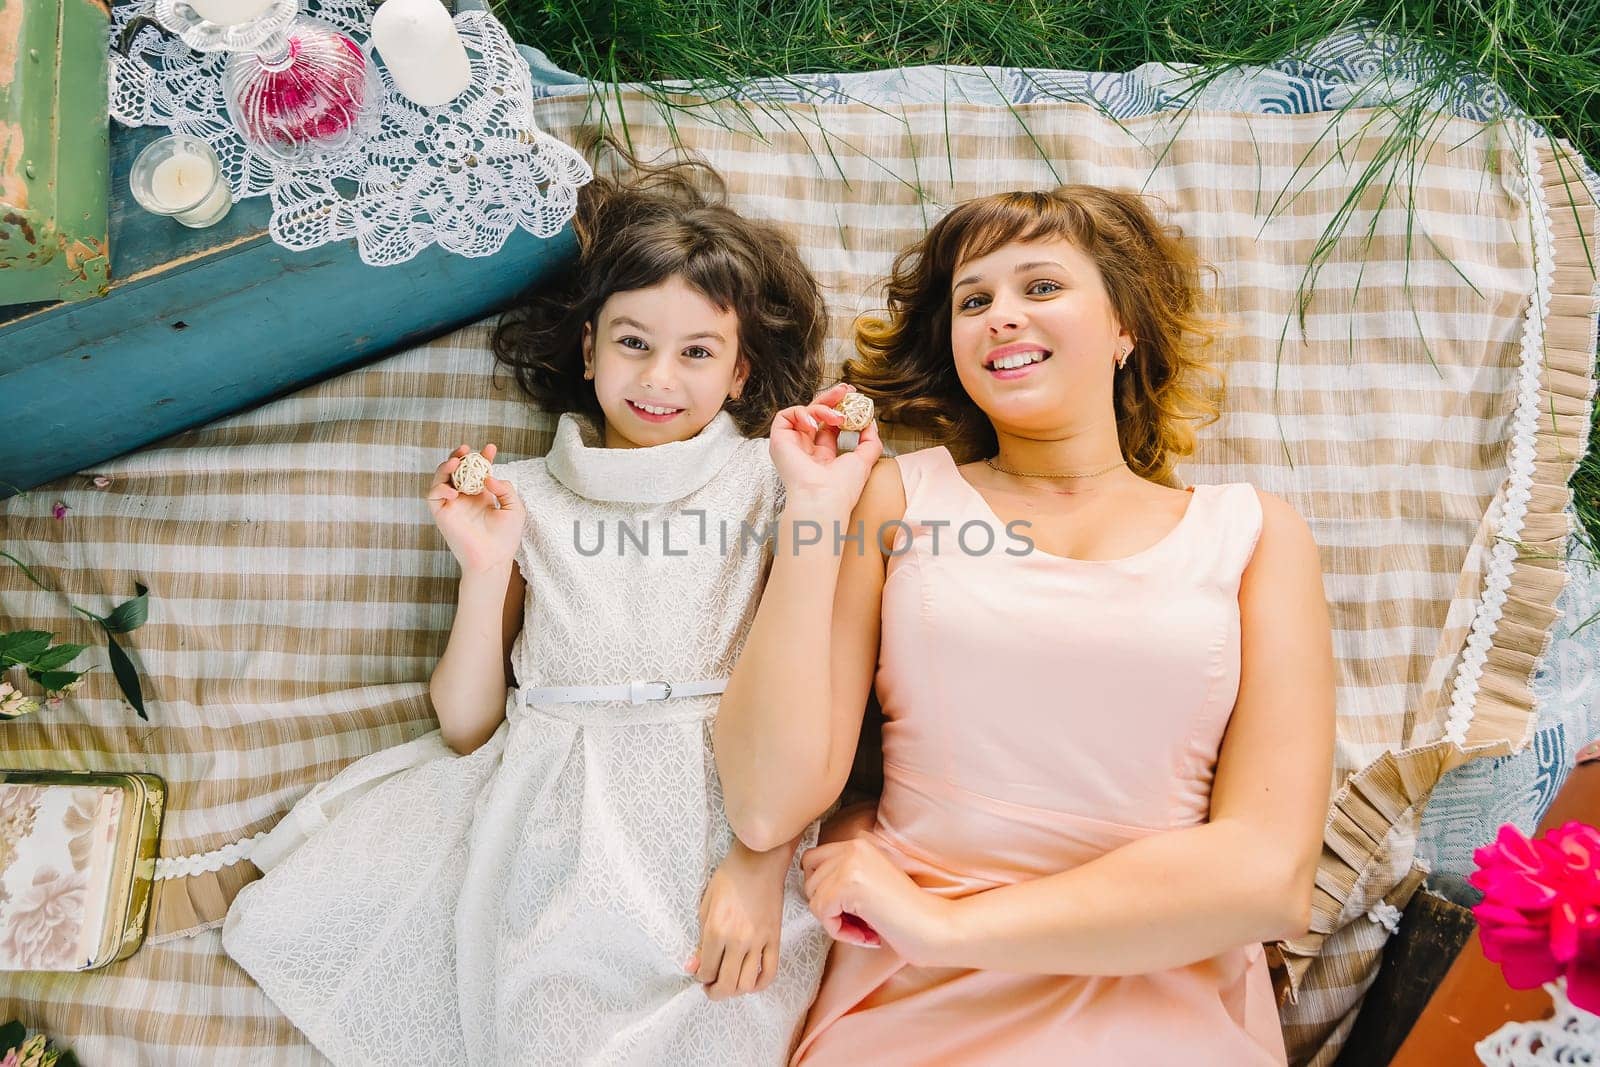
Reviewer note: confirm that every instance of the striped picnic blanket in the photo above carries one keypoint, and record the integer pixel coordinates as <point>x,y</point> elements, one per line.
<point>1424,413</point>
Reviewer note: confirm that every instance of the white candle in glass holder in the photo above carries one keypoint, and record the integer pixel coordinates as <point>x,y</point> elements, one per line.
<point>181,177</point>
<point>422,51</point>
<point>230,12</point>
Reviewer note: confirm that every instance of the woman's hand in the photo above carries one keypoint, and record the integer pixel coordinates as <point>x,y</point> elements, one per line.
<point>805,449</point>
<point>741,923</point>
<point>852,884</point>
<point>483,530</point>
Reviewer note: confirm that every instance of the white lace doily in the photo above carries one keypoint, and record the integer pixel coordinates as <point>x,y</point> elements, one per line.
<point>1571,1037</point>
<point>461,176</point>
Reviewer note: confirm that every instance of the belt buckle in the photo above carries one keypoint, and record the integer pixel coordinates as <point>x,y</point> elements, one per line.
<point>637,696</point>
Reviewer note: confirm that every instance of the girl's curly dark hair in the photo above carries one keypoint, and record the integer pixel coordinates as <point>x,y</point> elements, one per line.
<point>1152,276</point>
<point>664,222</point>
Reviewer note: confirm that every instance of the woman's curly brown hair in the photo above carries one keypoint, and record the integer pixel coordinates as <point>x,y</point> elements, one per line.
<point>664,222</point>
<point>1151,275</point>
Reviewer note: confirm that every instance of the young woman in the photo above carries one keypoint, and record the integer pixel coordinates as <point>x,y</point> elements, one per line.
<point>1106,752</point>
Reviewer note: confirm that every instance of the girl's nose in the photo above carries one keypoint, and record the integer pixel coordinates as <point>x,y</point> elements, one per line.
<point>657,374</point>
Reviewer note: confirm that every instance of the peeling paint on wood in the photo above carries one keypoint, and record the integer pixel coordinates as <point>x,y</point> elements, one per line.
<point>22,224</point>
<point>89,268</point>
<point>54,150</point>
<point>81,253</point>
<point>10,40</point>
<point>13,186</point>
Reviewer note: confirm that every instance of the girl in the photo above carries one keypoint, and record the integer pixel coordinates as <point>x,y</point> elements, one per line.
<point>530,883</point>
<point>1105,755</point>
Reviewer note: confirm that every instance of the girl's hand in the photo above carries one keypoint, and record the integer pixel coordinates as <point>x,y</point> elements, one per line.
<point>862,898</point>
<point>805,449</point>
<point>741,923</point>
<point>483,530</point>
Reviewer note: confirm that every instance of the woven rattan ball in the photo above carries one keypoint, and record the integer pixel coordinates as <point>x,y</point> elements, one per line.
<point>857,411</point>
<point>470,473</point>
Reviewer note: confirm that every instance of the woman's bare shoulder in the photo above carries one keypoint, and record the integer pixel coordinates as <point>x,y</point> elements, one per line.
<point>884,495</point>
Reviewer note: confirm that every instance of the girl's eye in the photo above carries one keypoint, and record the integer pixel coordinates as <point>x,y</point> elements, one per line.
<point>1043,287</point>
<point>632,342</point>
<point>976,300</point>
<point>697,352</point>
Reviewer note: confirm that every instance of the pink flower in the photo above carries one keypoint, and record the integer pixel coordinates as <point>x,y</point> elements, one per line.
<point>1540,914</point>
<point>101,481</point>
<point>59,510</point>
<point>44,927</point>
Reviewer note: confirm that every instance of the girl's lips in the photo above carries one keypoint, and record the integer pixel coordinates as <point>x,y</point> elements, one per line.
<point>651,417</point>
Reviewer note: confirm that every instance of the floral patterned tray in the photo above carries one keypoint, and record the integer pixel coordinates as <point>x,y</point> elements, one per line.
<point>77,854</point>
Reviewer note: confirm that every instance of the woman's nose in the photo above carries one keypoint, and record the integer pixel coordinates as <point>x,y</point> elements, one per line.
<point>1005,315</point>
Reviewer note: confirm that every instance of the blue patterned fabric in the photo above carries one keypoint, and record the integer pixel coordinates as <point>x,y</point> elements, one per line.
<point>1355,67</point>
<point>1358,67</point>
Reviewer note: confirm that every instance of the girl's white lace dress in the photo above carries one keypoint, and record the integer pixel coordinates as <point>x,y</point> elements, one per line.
<point>534,902</point>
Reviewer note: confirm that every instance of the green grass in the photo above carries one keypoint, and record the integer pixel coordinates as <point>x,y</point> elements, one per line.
<point>1544,54</point>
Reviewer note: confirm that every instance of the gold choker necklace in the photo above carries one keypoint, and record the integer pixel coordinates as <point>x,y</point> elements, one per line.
<point>1052,474</point>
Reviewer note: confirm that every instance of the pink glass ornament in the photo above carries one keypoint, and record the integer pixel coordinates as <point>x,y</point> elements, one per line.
<point>309,91</point>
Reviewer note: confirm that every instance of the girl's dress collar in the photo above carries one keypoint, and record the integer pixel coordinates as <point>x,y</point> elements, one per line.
<point>654,475</point>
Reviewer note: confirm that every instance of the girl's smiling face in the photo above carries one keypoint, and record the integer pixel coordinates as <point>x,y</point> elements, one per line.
<point>1033,334</point>
<point>664,360</point>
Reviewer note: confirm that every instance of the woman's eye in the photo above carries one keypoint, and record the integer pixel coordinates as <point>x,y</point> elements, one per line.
<point>632,342</point>
<point>1043,287</point>
<point>976,300</point>
<point>697,352</point>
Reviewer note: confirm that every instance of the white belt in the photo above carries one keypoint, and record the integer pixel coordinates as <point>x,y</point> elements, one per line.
<point>632,692</point>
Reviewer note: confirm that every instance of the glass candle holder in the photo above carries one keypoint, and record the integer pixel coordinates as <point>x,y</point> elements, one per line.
<point>226,25</point>
<point>181,177</point>
<point>310,91</point>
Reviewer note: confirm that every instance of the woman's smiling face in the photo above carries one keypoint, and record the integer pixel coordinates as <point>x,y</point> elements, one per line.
<point>1033,333</point>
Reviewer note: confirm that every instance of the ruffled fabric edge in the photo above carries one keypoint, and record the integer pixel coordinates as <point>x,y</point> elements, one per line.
<point>1390,790</point>
<point>183,907</point>
<point>1492,697</point>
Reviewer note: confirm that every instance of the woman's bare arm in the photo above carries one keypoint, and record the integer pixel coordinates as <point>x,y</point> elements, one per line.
<point>787,729</point>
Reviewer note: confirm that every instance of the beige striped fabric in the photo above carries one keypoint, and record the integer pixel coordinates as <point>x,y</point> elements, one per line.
<point>1424,417</point>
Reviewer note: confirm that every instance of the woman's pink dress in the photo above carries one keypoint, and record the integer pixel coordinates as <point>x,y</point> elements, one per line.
<point>1040,711</point>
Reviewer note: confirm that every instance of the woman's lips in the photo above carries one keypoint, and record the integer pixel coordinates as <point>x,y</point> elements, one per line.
<point>1015,372</point>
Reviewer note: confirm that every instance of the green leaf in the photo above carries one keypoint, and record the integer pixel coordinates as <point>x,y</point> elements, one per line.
<point>23,646</point>
<point>56,657</point>
<point>12,1035</point>
<point>127,677</point>
<point>130,614</point>
<point>52,680</point>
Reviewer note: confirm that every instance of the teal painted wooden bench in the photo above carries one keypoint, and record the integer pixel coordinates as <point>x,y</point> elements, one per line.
<point>202,323</point>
